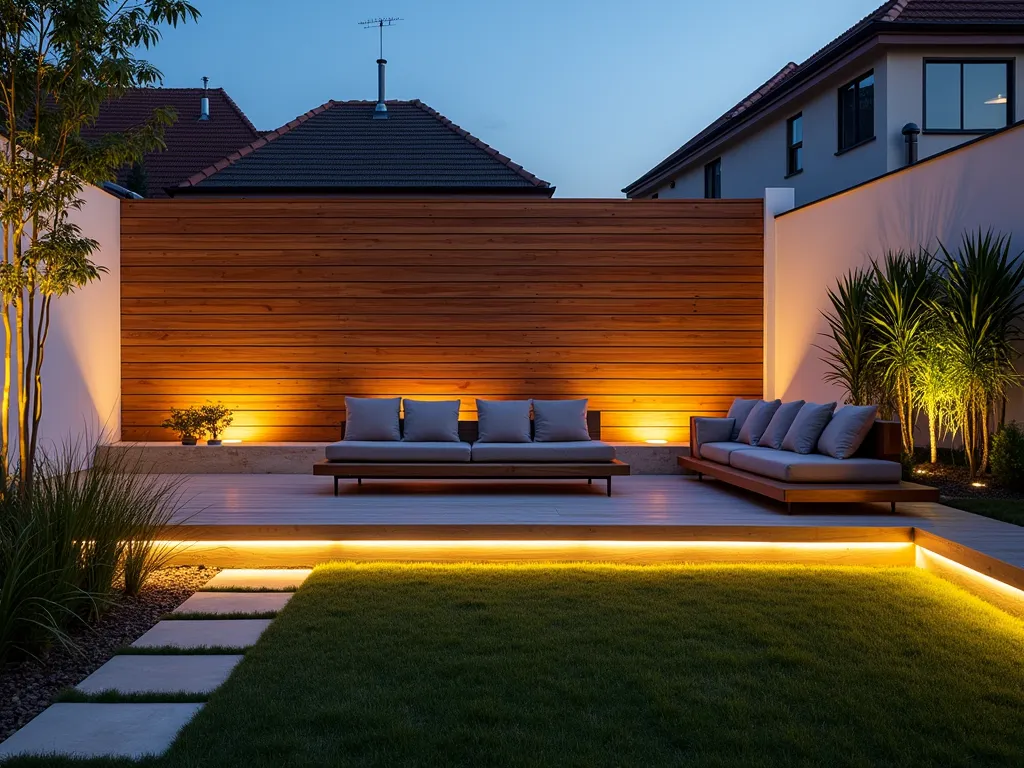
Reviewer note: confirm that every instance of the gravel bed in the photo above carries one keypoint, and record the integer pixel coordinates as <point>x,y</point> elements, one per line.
<point>28,687</point>
<point>955,482</point>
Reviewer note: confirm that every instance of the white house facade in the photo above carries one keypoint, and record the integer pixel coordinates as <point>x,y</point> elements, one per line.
<point>838,119</point>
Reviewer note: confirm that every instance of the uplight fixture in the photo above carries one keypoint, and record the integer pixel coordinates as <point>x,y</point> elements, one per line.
<point>656,442</point>
<point>231,442</point>
<point>977,485</point>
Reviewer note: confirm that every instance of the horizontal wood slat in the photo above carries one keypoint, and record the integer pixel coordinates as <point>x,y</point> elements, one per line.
<point>280,308</point>
<point>689,257</point>
<point>565,340</point>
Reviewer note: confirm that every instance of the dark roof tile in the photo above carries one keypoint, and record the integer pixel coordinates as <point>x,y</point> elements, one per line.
<point>339,145</point>
<point>192,144</point>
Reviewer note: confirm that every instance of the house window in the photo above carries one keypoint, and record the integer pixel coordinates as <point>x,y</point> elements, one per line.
<point>654,196</point>
<point>713,179</point>
<point>795,145</point>
<point>970,96</point>
<point>857,112</point>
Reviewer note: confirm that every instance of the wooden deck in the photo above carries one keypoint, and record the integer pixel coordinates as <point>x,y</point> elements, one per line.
<point>645,507</point>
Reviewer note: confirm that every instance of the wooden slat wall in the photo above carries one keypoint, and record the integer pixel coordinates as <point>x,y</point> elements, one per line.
<point>651,308</point>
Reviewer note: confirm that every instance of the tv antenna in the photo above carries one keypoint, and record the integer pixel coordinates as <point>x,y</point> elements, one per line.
<point>389,21</point>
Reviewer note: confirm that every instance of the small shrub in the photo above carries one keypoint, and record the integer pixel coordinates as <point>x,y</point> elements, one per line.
<point>1007,456</point>
<point>215,419</point>
<point>187,423</point>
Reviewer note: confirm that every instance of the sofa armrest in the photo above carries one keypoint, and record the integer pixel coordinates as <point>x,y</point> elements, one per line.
<point>704,429</point>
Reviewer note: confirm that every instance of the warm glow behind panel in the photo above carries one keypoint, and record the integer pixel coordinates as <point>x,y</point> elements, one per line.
<point>280,308</point>
<point>230,554</point>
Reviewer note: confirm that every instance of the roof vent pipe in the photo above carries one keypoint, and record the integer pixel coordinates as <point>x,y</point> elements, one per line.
<point>204,104</point>
<point>910,134</point>
<point>380,112</point>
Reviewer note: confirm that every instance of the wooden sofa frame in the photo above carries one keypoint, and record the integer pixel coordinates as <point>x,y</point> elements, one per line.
<point>490,470</point>
<point>882,442</point>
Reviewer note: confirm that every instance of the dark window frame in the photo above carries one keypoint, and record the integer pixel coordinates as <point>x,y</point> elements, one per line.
<point>792,146</point>
<point>858,140</point>
<point>1011,105</point>
<point>713,179</point>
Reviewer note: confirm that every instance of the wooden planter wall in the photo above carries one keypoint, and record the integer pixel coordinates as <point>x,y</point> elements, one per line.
<point>280,308</point>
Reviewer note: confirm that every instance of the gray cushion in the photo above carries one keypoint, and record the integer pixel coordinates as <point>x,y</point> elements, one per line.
<point>740,410</point>
<point>503,421</point>
<point>372,418</point>
<point>814,468</point>
<point>386,450</point>
<point>720,452</point>
<point>577,450</point>
<point>776,431</point>
<point>807,427</point>
<point>431,422</point>
<point>757,422</point>
<point>708,429</point>
<point>560,421</point>
<point>847,430</point>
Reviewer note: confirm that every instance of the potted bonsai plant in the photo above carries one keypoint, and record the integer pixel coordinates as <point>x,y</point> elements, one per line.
<point>215,419</point>
<point>188,423</point>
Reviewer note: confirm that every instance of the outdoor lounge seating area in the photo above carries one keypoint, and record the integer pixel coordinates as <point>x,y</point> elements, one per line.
<point>513,439</point>
<point>801,451</point>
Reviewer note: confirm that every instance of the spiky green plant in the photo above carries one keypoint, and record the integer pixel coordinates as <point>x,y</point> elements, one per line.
<point>66,547</point>
<point>980,307</point>
<point>848,357</point>
<point>900,316</point>
<point>935,391</point>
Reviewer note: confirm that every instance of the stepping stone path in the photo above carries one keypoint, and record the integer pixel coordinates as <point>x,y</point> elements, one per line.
<point>234,602</point>
<point>136,730</point>
<point>203,633</point>
<point>161,674</point>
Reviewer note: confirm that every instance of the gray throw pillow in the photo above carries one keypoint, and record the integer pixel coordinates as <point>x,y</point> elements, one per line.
<point>372,418</point>
<point>847,430</point>
<point>739,411</point>
<point>560,421</point>
<point>757,422</point>
<point>503,421</point>
<point>431,422</point>
<point>807,427</point>
<point>780,424</point>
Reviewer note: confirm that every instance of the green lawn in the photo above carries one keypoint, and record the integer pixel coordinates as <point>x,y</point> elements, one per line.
<point>1007,510</point>
<point>590,665</point>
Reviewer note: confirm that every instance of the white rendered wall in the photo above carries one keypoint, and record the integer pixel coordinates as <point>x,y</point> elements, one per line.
<point>82,367</point>
<point>977,186</point>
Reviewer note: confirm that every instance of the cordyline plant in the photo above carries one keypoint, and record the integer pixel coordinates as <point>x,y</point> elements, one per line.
<point>59,61</point>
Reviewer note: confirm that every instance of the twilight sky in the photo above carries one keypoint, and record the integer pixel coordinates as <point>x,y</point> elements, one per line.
<point>587,94</point>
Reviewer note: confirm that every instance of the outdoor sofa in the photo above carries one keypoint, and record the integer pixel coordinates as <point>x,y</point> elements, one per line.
<point>515,439</point>
<point>804,452</point>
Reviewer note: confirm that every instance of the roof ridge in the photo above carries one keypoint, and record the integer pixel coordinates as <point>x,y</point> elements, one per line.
<point>504,160</point>
<point>894,11</point>
<point>262,141</point>
<point>238,111</point>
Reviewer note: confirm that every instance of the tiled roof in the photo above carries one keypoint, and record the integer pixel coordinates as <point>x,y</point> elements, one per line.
<point>339,146</point>
<point>192,144</point>
<point>891,16</point>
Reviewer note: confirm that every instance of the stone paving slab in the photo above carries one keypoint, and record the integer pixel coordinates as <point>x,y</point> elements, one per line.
<point>259,578</point>
<point>98,730</point>
<point>234,602</point>
<point>199,633</point>
<point>161,674</point>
